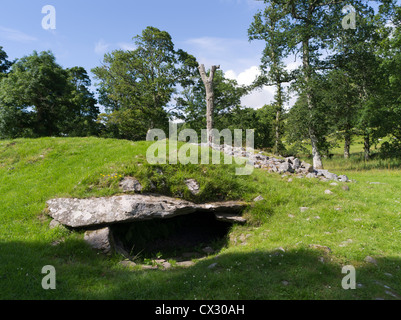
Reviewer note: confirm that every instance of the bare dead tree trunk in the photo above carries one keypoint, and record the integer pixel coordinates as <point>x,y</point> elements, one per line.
<point>347,144</point>
<point>317,159</point>
<point>208,82</point>
<point>279,109</point>
<point>347,148</point>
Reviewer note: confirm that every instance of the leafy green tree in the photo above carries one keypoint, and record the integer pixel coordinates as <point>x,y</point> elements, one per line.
<point>40,98</point>
<point>36,88</point>
<point>5,64</point>
<point>270,25</point>
<point>141,83</point>
<point>82,106</point>
<point>357,81</point>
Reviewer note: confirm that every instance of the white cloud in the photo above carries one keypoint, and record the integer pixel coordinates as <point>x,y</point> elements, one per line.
<point>258,98</point>
<point>127,46</point>
<point>101,47</point>
<point>15,35</point>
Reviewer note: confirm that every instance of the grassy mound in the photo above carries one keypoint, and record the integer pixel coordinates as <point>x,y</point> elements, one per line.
<point>281,254</point>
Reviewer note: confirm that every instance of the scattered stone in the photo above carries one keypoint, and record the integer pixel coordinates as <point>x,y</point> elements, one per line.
<point>166,265</point>
<point>303,209</point>
<point>99,239</point>
<point>185,264</point>
<point>334,184</point>
<point>258,198</point>
<point>345,188</point>
<point>130,184</point>
<point>388,274</point>
<point>213,265</point>
<point>325,249</point>
<point>289,165</point>
<point>391,294</point>
<point>54,224</point>
<point>369,259</point>
<point>193,186</point>
<point>285,283</point>
<point>149,267</point>
<point>291,216</point>
<point>328,192</point>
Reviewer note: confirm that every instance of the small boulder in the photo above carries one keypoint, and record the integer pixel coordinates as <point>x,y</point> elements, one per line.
<point>193,186</point>
<point>99,239</point>
<point>130,184</point>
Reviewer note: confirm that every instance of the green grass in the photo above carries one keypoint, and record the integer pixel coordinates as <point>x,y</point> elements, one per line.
<point>271,257</point>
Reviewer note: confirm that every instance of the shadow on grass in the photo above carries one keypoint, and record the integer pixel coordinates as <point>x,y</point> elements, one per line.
<point>261,275</point>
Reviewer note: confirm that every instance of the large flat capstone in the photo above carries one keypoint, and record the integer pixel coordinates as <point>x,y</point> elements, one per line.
<point>84,213</point>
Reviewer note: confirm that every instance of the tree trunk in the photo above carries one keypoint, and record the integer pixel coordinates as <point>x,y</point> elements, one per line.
<point>208,82</point>
<point>367,147</point>
<point>317,159</point>
<point>347,145</point>
<point>279,109</point>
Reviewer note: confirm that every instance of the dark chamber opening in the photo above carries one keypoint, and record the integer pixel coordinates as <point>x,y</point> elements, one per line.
<point>172,237</point>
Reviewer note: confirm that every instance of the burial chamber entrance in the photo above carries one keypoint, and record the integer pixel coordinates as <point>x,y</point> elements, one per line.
<point>187,236</point>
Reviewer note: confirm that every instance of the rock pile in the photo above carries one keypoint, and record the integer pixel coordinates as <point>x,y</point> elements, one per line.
<point>289,165</point>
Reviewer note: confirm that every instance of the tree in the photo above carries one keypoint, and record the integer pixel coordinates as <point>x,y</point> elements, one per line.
<point>5,64</point>
<point>35,88</point>
<point>140,83</point>
<point>82,109</point>
<point>40,98</point>
<point>270,26</point>
<point>208,83</point>
<point>192,105</point>
<point>358,80</point>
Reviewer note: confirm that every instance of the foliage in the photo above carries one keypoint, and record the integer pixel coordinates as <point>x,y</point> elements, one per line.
<point>137,86</point>
<point>40,98</point>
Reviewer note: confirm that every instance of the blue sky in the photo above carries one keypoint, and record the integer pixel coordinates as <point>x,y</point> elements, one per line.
<point>214,31</point>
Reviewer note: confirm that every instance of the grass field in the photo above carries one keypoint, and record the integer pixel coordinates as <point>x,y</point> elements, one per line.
<point>282,253</point>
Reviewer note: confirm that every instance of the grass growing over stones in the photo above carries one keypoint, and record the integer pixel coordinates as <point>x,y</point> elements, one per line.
<point>282,253</point>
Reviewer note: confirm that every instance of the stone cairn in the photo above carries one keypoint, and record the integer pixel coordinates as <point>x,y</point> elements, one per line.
<point>287,166</point>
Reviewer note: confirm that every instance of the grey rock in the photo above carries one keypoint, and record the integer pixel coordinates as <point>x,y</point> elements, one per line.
<point>193,186</point>
<point>54,224</point>
<point>328,192</point>
<point>258,198</point>
<point>371,260</point>
<point>212,266</point>
<point>81,213</point>
<point>296,163</point>
<point>99,239</point>
<point>303,209</point>
<point>343,178</point>
<point>130,184</point>
<point>285,167</point>
<point>185,264</point>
